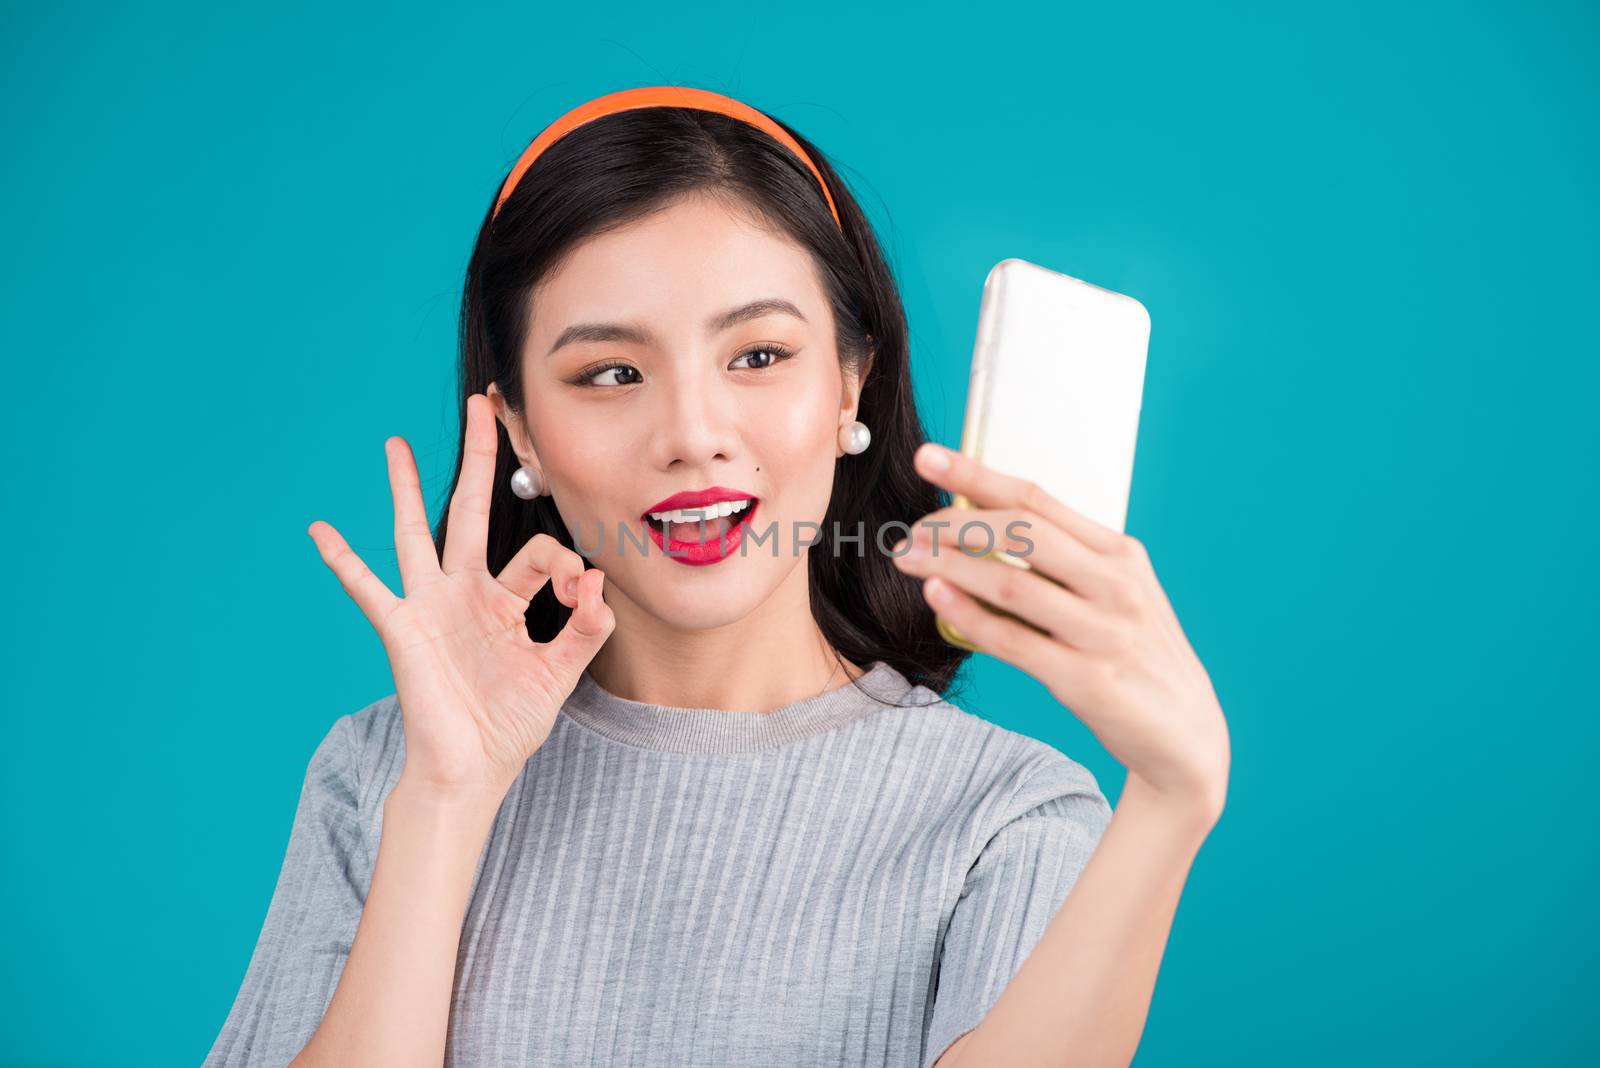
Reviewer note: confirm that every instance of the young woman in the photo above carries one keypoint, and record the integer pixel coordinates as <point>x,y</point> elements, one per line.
<point>702,802</point>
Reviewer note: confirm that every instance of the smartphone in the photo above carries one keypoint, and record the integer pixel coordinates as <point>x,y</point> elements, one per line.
<point>1054,396</point>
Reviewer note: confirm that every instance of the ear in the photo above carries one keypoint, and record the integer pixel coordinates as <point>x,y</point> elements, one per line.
<point>852,388</point>
<point>515,429</point>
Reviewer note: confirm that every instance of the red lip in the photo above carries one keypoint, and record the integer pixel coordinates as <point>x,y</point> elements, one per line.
<point>697,499</point>
<point>703,553</point>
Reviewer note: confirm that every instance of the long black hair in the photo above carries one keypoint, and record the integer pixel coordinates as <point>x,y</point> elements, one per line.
<point>621,167</point>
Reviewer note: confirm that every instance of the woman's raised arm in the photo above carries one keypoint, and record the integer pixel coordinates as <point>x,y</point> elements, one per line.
<point>1088,618</point>
<point>478,697</point>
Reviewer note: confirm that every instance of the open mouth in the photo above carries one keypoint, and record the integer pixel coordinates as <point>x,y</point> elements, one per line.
<point>705,524</point>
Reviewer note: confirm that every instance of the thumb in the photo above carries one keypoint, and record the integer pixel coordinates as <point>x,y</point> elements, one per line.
<point>586,631</point>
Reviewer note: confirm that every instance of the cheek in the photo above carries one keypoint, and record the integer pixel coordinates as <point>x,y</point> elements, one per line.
<point>582,459</point>
<point>804,422</point>
<point>794,443</point>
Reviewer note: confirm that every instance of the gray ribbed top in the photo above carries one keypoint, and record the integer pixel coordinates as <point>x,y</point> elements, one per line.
<point>850,879</point>
<point>710,730</point>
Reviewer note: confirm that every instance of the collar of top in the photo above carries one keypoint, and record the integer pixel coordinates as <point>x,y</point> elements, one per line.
<point>670,728</point>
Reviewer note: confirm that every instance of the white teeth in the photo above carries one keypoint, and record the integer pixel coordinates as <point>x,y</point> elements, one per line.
<point>706,512</point>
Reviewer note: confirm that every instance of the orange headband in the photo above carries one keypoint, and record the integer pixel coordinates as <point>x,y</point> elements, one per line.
<point>654,96</point>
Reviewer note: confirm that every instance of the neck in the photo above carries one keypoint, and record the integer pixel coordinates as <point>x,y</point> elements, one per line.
<point>774,656</point>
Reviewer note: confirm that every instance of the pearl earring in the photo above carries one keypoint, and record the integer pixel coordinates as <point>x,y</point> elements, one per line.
<point>854,437</point>
<point>526,483</point>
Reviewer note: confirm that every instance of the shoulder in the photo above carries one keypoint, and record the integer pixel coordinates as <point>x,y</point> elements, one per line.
<point>376,728</point>
<point>362,750</point>
<point>996,774</point>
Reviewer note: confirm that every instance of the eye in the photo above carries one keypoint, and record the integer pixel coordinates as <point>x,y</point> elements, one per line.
<point>587,376</point>
<point>773,353</point>
<point>778,353</point>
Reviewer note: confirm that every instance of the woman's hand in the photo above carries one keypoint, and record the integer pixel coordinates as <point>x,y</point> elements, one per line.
<point>1112,650</point>
<point>477,695</point>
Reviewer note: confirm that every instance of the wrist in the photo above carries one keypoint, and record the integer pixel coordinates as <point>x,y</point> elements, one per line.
<point>1189,817</point>
<point>454,803</point>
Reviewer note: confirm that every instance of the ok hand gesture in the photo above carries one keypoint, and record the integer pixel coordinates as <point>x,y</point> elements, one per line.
<point>477,695</point>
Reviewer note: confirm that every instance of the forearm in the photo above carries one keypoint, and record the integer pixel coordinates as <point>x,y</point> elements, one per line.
<point>1082,995</point>
<point>392,1004</point>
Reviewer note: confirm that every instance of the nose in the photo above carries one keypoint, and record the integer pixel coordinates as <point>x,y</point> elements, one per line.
<point>694,424</point>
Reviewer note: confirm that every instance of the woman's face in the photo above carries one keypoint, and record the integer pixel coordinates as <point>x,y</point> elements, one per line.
<point>636,390</point>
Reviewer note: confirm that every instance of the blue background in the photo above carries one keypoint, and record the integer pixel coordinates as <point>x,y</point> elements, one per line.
<point>1366,236</point>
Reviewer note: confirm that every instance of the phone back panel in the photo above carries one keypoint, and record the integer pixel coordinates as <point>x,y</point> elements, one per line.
<point>1057,385</point>
<point>1056,388</point>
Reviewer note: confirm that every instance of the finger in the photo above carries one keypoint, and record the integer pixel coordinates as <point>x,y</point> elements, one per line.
<point>374,599</point>
<point>467,533</point>
<point>1052,663</point>
<point>542,558</point>
<point>1026,536</point>
<point>987,488</point>
<point>413,541</point>
<point>586,631</point>
<point>1011,588</point>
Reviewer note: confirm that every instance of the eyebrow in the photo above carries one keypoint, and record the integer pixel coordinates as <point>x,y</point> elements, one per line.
<point>639,336</point>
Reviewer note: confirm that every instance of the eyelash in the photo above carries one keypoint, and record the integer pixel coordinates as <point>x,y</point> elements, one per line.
<point>779,353</point>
